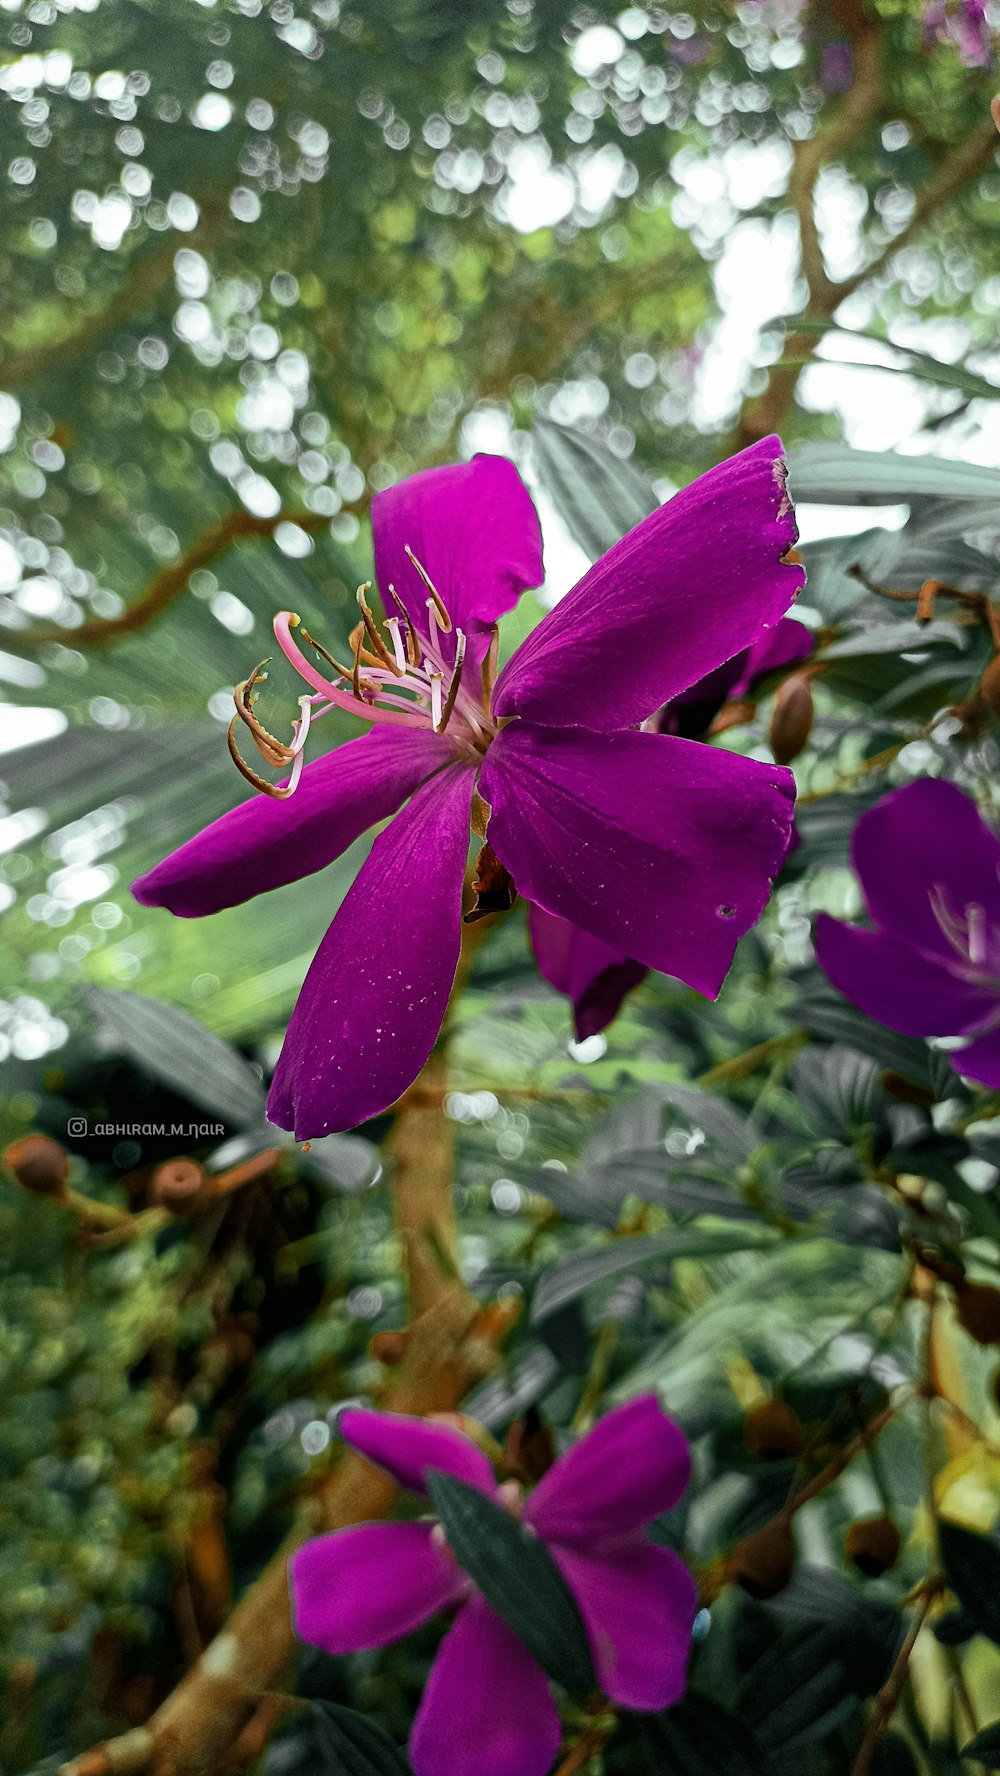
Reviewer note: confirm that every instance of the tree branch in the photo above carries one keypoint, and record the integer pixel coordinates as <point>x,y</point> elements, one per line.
<point>165,586</point>
<point>766,413</point>
<point>149,274</point>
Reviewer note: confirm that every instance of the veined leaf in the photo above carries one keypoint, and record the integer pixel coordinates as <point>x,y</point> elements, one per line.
<point>518,1578</point>
<point>565,1282</point>
<point>178,1051</point>
<point>347,1743</point>
<point>597,495</point>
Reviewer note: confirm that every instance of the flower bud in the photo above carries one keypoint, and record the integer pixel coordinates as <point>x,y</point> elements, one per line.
<point>180,1185</point>
<point>763,1564</point>
<point>772,1431</point>
<point>977,1310</point>
<point>390,1347</point>
<point>792,720</point>
<point>530,1449</point>
<point>39,1164</point>
<point>872,1544</point>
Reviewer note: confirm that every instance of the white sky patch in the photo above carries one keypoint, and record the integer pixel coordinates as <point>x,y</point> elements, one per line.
<point>754,281</point>
<point>25,727</point>
<point>538,194</point>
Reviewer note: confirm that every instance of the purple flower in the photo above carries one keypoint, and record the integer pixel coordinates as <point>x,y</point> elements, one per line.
<point>654,846</point>
<point>964,23</point>
<point>487,1705</point>
<point>693,711</point>
<point>930,870</point>
<point>593,975</point>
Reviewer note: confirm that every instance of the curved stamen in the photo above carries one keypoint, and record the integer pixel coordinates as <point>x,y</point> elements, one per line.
<point>456,680</point>
<point>438,602</point>
<point>280,792</point>
<point>273,749</point>
<point>412,641</point>
<point>371,631</point>
<point>284,622</point>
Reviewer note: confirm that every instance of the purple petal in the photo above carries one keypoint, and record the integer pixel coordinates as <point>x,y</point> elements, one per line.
<point>474,530</point>
<point>981,1060</point>
<point>372,1003</point>
<point>662,848</point>
<point>368,1586</point>
<point>264,843</point>
<point>927,836</point>
<point>486,1706</point>
<point>638,1606</point>
<point>897,984</point>
<point>783,645</point>
<point>688,588</point>
<point>631,1467</point>
<point>407,1447</point>
<point>593,975</point>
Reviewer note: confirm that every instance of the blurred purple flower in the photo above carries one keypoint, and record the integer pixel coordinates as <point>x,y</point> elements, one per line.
<point>930,869</point>
<point>640,839</point>
<point>487,1705</point>
<point>964,23</point>
<point>836,67</point>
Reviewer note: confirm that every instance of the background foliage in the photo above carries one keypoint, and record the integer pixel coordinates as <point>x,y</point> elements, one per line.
<point>258,263</point>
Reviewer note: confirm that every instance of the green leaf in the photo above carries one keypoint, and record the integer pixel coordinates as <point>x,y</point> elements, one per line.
<point>562,1283</point>
<point>985,1747</point>
<point>175,1049</point>
<point>972,1567</point>
<point>799,1690</point>
<point>893,638</point>
<point>597,495</point>
<point>837,474</point>
<point>699,1737</point>
<point>835,1021</point>
<point>518,1578</point>
<point>347,1743</point>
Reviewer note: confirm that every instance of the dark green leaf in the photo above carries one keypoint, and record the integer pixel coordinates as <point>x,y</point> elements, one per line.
<point>955,1628</point>
<point>176,1049</point>
<point>701,1738</point>
<point>892,1757</point>
<point>518,1578</point>
<point>985,1747</point>
<point>347,1743</point>
<point>835,1021</point>
<point>564,1282</point>
<point>972,1567</point>
<point>799,1690</point>
<point>598,495</point>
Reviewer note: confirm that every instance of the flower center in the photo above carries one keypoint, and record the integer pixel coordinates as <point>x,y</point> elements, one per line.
<point>975,942</point>
<point>398,676</point>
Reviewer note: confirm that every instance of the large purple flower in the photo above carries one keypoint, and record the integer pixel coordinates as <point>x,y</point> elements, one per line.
<point>487,1705</point>
<point>649,843</point>
<point>930,869</point>
<point>596,976</point>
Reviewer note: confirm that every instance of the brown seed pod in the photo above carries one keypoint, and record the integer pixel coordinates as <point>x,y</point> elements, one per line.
<point>977,1310</point>
<point>872,1544</point>
<point>763,1564</point>
<point>39,1164</point>
<point>390,1347</point>
<point>792,720</point>
<point>772,1431</point>
<point>989,685</point>
<point>530,1449</point>
<point>180,1185</point>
